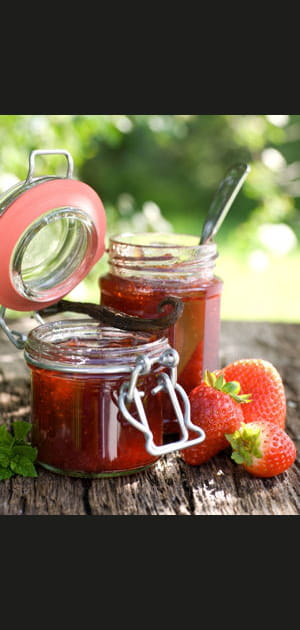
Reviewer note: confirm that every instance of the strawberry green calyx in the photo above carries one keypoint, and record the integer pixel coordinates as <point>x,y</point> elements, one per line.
<point>245,443</point>
<point>231,387</point>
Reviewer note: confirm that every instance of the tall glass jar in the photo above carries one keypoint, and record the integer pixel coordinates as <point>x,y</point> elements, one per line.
<point>97,396</point>
<point>145,268</point>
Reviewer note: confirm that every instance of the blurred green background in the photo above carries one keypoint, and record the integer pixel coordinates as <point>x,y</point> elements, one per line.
<point>160,172</point>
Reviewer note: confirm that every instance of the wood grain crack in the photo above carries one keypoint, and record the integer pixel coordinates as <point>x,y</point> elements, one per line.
<point>187,488</point>
<point>86,484</point>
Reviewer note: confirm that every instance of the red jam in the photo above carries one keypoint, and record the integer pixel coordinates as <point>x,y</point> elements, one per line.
<point>195,335</point>
<point>76,422</point>
<point>144,269</point>
<point>78,428</point>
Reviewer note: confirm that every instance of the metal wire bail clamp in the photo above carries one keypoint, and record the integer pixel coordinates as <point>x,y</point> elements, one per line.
<point>17,338</point>
<point>167,383</point>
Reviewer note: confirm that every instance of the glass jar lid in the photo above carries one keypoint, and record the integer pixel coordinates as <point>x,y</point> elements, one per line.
<point>52,232</point>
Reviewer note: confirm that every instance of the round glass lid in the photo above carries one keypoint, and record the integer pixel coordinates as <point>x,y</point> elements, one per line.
<point>52,232</point>
<point>53,253</point>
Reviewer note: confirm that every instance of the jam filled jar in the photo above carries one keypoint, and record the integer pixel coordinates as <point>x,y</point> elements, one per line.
<point>98,392</point>
<point>96,398</point>
<point>144,268</point>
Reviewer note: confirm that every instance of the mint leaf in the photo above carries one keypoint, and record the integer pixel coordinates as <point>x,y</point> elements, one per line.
<point>21,429</point>
<point>5,436</point>
<point>5,450</point>
<point>4,460</point>
<point>16,454</point>
<point>25,450</point>
<point>5,473</point>
<point>23,466</point>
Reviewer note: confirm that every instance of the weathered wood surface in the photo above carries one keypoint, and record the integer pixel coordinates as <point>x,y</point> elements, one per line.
<point>171,487</point>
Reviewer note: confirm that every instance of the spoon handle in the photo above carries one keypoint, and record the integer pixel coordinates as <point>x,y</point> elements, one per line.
<point>222,200</point>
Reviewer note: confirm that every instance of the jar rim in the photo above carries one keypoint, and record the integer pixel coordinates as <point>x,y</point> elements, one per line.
<point>159,240</point>
<point>160,253</point>
<point>85,345</point>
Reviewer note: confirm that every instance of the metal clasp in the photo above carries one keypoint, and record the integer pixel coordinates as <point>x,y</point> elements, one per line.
<point>48,152</point>
<point>16,337</point>
<point>167,383</point>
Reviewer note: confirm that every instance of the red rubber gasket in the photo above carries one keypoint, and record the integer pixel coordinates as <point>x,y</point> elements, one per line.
<point>28,207</point>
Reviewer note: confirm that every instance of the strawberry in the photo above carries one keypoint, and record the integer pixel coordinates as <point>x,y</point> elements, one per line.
<point>261,379</point>
<point>262,448</point>
<point>215,406</point>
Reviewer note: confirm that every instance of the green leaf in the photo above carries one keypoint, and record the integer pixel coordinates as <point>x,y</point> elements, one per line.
<point>5,436</point>
<point>237,457</point>
<point>245,443</point>
<point>220,382</point>
<point>23,466</point>
<point>16,455</point>
<point>21,429</point>
<point>26,450</point>
<point>232,387</point>
<point>244,398</point>
<point>232,439</point>
<point>6,450</point>
<point>209,378</point>
<point>4,460</point>
<point>5,473</point>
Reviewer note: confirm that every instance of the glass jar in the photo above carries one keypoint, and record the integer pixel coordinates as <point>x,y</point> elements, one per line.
<point>97,395</point>
<point>97,392</point>
<point>145,268</point>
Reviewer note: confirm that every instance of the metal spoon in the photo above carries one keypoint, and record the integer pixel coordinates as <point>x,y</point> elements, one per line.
<point>223,199</point>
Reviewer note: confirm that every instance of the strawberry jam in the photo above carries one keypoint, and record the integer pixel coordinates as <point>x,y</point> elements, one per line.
<point>77,369</point>
<point>145,268</point>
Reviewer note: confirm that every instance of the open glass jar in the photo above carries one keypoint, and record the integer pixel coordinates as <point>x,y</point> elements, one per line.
<point>97,396</point>
<point>98,393</point>
<point>143,269</point>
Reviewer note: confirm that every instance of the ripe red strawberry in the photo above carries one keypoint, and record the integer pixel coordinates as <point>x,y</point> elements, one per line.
<point>260,379</point>
<point>216,408</point>
<point>262,448</point>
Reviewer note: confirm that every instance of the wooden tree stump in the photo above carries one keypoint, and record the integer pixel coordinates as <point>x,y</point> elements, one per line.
<point>170,487</point>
